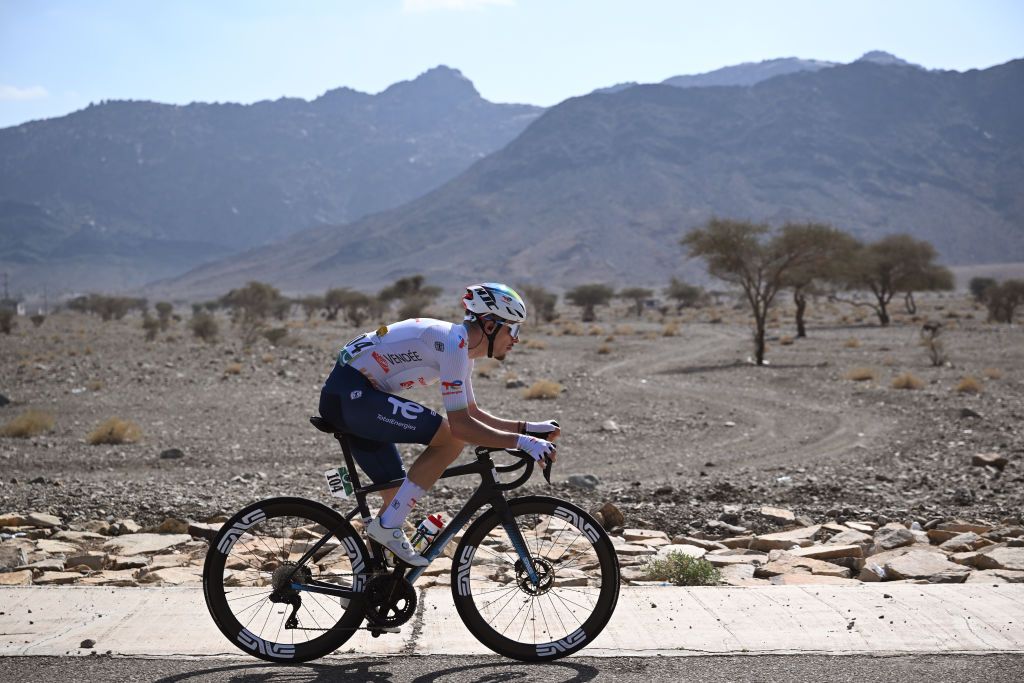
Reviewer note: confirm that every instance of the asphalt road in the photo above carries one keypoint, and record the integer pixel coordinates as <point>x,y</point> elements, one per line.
<point>931,668</point>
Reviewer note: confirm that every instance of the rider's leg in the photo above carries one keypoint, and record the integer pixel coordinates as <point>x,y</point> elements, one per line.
<point>443,450</point>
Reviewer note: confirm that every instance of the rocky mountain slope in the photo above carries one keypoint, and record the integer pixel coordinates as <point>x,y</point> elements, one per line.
<point>601,187</point>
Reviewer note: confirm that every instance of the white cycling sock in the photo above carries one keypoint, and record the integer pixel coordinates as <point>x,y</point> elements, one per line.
<point>401,505</point>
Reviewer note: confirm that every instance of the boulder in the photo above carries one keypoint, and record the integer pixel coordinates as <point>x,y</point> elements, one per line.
<point>97,526</point>
<point>782,562</point>
<point>201,530</point>
<point>12,519</point>
<point>864,527</point>
<point>633,535</point>
<point>583,481</point>
<point>45,545</point>
<point>737,541</point>
<point>93,559</point>
<point>173,576</point>
<point>120,563</point>
<point>38,519</point>
<point>12,555</point>
<point>989,460</point>
<point>923,564</point>
<point>784,540</point>
<point>691,550</point>
<point>77,536</point>
<point>777,515</point>
<point>966,542</point>
<point>631,550</point>
<point>57,578</point>
<point>699,542</point>
<point>123,578</point>
<point>611,516</point>
<point>849,537</point>
<point>169,560</point>
<point>829,551</point>
<point>170,525</point>
<point>890,538</point>
<point>988,576</point>
<point>960,526</point>
<point>127,526</point>
<point>752,557</point>
<point>739,575</point>
<point>22,577</point>
<point>1001,558</point>
<point>144,544</point>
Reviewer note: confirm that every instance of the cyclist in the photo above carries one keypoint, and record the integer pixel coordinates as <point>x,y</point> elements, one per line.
<point>359,397</point>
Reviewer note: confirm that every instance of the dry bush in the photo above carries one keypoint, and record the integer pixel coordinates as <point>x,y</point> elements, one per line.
<point>907,381</point>
<point>786,341</point>
<point>888,361</point>
<point>534,344</point>
<point>87,351</point>
<point>715,321</point>
<point>233,369</point>
<point>670,330</point>
<point>992,373</point>
<point>94,385</point>
<point>487,367</point>
<point>29,423</point>
<point>852,343</point>
<point>968,385</point>
<point>861,375</point>
<point>610,338</point>
<point>543,389</point>
<point>572,329</point>
<point>604,349</point>
<point>267,358</point>
<point>595,331</point>
<point>37,319</point>
<point>114,431</point>
<point>624,330</point>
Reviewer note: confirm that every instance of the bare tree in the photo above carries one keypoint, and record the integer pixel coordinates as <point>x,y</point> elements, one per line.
<point>1003,299</point>
<point>747,255</point>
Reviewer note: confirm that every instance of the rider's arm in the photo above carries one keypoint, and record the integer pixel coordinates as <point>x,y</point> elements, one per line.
<point>481,415</point>
<point>466,427</point>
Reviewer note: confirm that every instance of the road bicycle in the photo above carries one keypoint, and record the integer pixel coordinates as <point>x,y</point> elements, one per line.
<point>534,578</point>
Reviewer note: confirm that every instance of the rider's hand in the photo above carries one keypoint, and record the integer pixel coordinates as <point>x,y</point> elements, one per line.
<point>537,448</point>
<point>549,428</point>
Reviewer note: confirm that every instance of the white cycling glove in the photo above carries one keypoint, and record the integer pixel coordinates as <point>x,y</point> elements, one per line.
<point>545,427</point>
<point>537,448</point>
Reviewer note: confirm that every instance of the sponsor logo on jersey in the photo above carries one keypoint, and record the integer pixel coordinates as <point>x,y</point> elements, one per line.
<point>356,394</point>
<point>406,385</point>
<point>381,362</point>
<point>409,409</point>
<point>439,346</point>
<point>382,330</point>
<point>449,388</point>
<point>462,342</point>
<point>386,360</point>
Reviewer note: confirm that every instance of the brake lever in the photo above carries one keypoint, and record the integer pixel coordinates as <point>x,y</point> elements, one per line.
<point>548,464</point>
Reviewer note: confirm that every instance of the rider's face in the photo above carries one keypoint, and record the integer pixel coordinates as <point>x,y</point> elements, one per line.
<point>504,342</point>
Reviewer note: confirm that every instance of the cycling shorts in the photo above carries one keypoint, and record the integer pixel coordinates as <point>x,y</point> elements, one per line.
<point>375,421</point>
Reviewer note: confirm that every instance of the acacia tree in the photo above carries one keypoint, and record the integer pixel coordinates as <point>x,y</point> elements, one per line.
<point>827,248</point>
<point>637,295</point>
<point>588,297</point>
<point>540,300</point>
<point>897,263</point>
<point>414,295</point>
<point>747,255</point>
<point>250,306</point>
<point>683,293</point>
<point>1003,299</point>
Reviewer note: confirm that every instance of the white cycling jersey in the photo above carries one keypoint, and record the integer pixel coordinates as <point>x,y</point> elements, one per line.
<point>420,351</point>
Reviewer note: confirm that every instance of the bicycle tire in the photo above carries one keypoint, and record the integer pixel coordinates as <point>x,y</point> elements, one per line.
<point>486,581</point>
<point>240,564</point>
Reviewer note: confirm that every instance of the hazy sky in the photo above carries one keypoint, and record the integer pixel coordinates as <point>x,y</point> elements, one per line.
<point>58,55</point>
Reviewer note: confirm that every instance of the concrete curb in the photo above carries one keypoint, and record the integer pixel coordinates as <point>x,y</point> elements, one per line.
<point>878,619</point>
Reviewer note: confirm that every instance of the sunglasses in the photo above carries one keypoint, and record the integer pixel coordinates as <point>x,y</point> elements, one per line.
<point>513,328</point>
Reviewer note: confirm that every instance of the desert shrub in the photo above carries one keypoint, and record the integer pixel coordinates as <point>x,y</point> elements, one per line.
<point>852,343</point>
<point>151,326</point>
<point>204,326</point>
<point>861,375</point>
<point>992,373</point>
<point>94,385</point>
<point>968,385</point>
<point>7,322</point>
<point>670,329</point>
<point>681,569</point>
<point>114,431</point>
<point>595,331</point>
<point>588,297</point>
<point>266,358</point>
<point>163,313</point>
<point>979,287</point>
<point>604,349</point>
<point>534,344</point>
<point>543,389</point>
<point>540,300</point>
<point>37,319</point>
<point>29,423</point>
<point>1004,299</point>
<point>233,369</point>
<point>907,381</point>
<point>487,367</point>
<point>275,335</point>
<point>572,329</point>
<point>786,341</point>
<point>624,330</point>
<point>932,344</point>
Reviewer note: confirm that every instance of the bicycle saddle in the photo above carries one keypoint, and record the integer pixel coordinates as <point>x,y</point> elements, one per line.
<point>324,426</point>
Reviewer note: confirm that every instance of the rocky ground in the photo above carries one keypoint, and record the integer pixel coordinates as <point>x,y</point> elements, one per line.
<point>678,431</point>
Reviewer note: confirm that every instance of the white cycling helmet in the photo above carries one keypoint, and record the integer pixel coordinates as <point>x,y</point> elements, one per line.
<point>494,299</point>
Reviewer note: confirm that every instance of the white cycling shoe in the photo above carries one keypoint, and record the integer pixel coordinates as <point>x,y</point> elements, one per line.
<point>397,542</point>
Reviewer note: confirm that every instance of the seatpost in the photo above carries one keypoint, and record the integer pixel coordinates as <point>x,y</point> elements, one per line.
<point>349,460</point>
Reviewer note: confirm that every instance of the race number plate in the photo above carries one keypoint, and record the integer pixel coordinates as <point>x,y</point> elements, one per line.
<point>338,482</point>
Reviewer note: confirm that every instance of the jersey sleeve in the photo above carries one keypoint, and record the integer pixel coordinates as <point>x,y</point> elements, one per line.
<point>470,398</point>
<point>454,372</point>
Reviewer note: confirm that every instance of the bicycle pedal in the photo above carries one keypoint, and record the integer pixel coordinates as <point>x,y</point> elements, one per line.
<point>377,632</point>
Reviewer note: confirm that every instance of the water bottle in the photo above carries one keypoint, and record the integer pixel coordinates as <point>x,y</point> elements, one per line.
<point>427,531</point>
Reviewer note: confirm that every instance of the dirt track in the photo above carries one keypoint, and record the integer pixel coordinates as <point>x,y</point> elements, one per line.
<point>698,426</point>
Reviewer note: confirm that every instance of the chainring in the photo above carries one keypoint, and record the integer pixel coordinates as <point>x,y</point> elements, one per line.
<point>390,600</point>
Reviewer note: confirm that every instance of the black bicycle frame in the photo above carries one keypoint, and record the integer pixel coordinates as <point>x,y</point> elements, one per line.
<point>490,492</point>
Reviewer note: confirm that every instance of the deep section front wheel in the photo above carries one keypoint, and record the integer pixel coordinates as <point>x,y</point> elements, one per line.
<point>569,603</point>
<point>253,563</point>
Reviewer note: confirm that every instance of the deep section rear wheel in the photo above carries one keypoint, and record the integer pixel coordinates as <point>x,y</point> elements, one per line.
<point>565,609</point>
<point>252,563</point>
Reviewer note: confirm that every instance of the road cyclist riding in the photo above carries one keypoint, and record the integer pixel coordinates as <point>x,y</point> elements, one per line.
<point>534,577</point>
